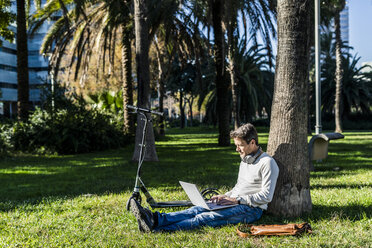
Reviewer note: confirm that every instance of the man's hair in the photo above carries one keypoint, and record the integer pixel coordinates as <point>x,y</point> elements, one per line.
<point>246,132</point>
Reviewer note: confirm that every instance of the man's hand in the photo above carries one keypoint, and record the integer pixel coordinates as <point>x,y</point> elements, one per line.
<point>223,200</point>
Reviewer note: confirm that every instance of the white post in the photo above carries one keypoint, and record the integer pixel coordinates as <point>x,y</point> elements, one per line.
<point>318,125</point>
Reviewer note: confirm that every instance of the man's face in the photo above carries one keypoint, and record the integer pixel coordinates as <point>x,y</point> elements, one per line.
<point>243,148</point>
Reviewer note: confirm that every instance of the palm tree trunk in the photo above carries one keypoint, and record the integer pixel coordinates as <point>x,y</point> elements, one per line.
<point>288,130</point>
<point>143,79</point>
<point>338,75</point>
<point>126,63</point>
<point>190,102</point>
<point>231,25</point>
<point>22,62</point>
<point>182,110</point>
<point>161,107</point>
<point>161,88</point>
<point>222,86</point>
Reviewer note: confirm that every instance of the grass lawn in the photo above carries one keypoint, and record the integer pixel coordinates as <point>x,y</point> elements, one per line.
<point>79,200</point>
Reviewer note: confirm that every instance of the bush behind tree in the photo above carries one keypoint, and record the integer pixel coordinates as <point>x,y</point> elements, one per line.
<point>69,127</point>
<point>67,132</point>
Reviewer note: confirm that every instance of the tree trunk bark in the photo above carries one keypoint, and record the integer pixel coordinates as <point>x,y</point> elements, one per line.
<point>190,102</point>
<point>143,79</point>
<point>126,63</point>
<point>231,26</point>
<point>288,131</point>
<point>182,111</point>
<point>339,74</point>
<point>22,62</point>
<point>222,86</point>
<point>161,88</point>
<point>161,106</point>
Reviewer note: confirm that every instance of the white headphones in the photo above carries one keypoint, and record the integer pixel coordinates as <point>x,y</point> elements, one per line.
<point>249,159</point>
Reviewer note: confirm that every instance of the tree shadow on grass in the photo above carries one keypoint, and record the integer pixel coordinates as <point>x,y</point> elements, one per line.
<point>33,179</point>
<point>342,186</point>
<point>322,212</point>
<point>30,179</point>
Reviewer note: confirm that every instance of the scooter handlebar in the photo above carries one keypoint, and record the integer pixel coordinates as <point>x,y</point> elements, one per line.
<point>138,109</point>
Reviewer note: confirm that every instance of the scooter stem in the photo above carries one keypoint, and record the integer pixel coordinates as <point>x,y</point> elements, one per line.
<point>142,152</point>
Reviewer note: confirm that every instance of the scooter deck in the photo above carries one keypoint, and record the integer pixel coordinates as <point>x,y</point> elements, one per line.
<point>171,204</point>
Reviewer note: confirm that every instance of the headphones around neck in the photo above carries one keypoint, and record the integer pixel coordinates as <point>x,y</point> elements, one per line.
<point>249,159</point>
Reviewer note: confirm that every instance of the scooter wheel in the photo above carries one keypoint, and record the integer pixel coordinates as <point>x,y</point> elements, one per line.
<point>137,198</point>
<point>128,204</point>
<point>209,192</point>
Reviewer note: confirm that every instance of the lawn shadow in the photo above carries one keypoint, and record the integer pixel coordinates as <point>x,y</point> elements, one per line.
<point>351,212</point>
<point>348,159</point>
<point>30,179</point>
<point>342,186</point>
<point>67,176</point>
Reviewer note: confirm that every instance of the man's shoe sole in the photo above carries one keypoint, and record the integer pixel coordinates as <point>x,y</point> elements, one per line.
<point>142,225</point>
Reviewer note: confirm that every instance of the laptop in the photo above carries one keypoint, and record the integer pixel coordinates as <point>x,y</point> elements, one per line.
<point>197,199</point>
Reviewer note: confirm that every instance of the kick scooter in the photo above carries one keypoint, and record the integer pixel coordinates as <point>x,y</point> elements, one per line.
<point>139,185</point>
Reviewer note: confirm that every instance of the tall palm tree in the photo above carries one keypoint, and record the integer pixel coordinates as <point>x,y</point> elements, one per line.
<point>331,11</point>
<point>231,24</point>
<point>90,28</point>
<point>260,16</point>
<point>356,90</point>
<point>126,63</point>
<point>254,84</point>
<point>181,43</point>
<point>143,78</point>
<point>288,127</point>
<point>222,85</point>
<point>355,82</point>
<point>339,71</point>
<point>257,17</point>
<point>22,62</point>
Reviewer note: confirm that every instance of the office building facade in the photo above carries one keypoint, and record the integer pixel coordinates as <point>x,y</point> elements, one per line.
<point>38,71</point>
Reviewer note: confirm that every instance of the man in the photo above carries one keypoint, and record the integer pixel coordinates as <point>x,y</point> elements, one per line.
<point>254,189</point>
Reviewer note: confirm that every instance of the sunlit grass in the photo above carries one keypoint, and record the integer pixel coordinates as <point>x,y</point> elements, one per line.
<point>79,200</point>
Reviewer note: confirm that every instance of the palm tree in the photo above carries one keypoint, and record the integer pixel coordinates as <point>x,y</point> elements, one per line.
<point>356,90</point>
<point>260,15</point>
<point>331,11</point>
<point>126,63</point>
<point>179,41</point>
<point>90,29</point>
<point>22,62</point>
<point>143,78</point>
<point>256,18</point>
<point>222,85</point>
<point>339,6</point>
<point>288,127</point>
<point>355,83</point>
<point>254,81</point>
<point>231,24</point>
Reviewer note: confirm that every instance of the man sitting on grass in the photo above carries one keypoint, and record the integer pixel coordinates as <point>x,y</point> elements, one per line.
<point>254,189</point>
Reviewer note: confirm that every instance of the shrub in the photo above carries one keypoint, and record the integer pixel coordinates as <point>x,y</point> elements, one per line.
<point>75,130</point>
<point>5,143</point>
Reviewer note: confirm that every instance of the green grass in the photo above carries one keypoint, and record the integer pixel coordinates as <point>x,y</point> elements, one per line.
<point>79,200</point>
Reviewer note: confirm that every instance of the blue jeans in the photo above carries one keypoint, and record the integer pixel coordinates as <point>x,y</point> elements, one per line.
<point>196,217</point>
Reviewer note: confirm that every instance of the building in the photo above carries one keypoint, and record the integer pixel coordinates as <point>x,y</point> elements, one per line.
<point>38,70</point>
